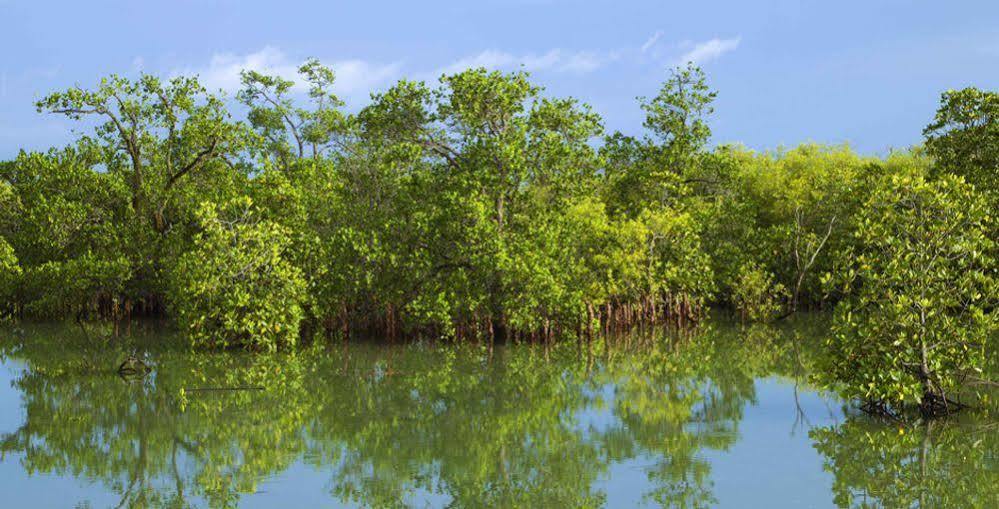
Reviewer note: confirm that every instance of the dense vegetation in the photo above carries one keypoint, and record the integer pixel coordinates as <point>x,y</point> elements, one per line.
<point>483,208</point>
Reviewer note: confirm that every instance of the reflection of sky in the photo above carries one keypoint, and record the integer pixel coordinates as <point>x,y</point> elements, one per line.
<point>11,413</point>
<point>773,463</point>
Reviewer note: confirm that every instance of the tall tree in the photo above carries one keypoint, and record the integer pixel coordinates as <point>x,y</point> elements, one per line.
<point>291,131</point>
<point>154,134</point>
<point>658,167</point>
<point>964,137</point>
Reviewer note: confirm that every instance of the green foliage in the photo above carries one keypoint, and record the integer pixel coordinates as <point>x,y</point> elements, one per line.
<point>290,132</point>
<point>756,296</point>
<point>69,228</point>
<point>918,319</point>
<point>155,136</point>
<point>10,273</point>
<point>788,212</point>
<point>481,207</point>
<point>963,138</point>
<point>934,464</point>
<point>236,286</point>
<point>463,189</point>
<point>676,115</point>
<point>658,169</point>
<point>679,270</point>
<point>10,270</point>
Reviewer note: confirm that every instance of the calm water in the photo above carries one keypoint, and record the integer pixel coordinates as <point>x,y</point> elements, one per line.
<point>721,417</point>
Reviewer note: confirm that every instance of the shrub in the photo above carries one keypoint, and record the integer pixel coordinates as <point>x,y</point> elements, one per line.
<point>755,295</point>
<point>10,271</point>
<point>236,286</point>
<point>917,320</point>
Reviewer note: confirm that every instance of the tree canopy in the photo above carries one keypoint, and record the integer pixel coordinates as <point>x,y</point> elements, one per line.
<point>482,207</point>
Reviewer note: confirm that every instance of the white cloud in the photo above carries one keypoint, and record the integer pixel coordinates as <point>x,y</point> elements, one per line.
<point>546,61</point>
<point>490,59</point>
<point>223,70</point>
<point>361,76</point>
<point>587,61</point>
<point>709,50</point>
<point>352,76</point>
<point>554,60</point>
<point>356,77</point>
<point>651,41</point>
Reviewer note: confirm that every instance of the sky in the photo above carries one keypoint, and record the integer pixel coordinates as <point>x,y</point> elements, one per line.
<point>868,73</point>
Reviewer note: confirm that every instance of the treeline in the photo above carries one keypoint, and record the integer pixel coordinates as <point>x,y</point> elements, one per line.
<point>479,208</point>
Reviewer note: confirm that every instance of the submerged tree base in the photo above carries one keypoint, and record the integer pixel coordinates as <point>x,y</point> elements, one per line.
<point>931,406</point>
<point>132,367</point>
<point>937,405</point>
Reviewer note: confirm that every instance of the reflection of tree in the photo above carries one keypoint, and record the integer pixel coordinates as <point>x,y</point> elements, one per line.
<point>480,428</point>
<point>932,464</point>
<point>141,438</point>
<point>485,433</point>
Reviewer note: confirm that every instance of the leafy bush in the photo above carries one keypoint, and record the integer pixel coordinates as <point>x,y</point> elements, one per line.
<point>236,286</point>
<point>85,284</point>
<point>10,272</point>
<point>964,137</point>
<point>756,296</point>
<point>917,321</point>
<point>69,229</point>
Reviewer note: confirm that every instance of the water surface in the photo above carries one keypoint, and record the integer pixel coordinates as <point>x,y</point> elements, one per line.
<point>723,416</point>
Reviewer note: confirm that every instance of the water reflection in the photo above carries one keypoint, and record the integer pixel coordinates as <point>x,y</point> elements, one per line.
<point>950,463</point>
<point>396,425</point>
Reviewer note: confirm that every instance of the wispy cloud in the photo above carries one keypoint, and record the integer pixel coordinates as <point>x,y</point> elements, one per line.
<point>352,75</point>
<point>360,76</point>
<point>651,41</point>
<point>356,77</point>
<point>493,59</point>
<point>588,61</point>
<point>552,60</point>
<point>703,52</point>
<point>222,71</point>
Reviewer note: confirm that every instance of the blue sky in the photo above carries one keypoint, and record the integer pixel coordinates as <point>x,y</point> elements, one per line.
<point>864,72</point>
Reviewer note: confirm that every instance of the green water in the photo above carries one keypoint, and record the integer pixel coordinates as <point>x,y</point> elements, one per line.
<point>723,416</point>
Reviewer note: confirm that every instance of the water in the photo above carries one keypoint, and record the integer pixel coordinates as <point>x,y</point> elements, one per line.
<point>724,416</point>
